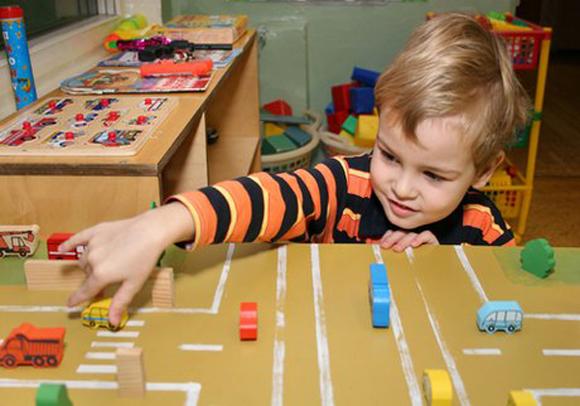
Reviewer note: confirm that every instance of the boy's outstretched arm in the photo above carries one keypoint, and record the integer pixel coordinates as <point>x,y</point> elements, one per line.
<point>126,252</point>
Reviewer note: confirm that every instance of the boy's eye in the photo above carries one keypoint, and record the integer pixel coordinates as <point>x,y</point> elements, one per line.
<point>434,177</point>
<point>388,156</point>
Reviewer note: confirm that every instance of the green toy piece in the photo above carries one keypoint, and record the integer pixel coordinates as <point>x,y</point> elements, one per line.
<point>537,258</point>
<point>349,125</point>
<point>52,394</point>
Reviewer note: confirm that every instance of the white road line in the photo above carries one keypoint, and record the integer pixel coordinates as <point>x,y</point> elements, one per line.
<point>135,323</point>
<point>39,309</point>
<point>410,254</point>
<point>100,355</point>
<point>447,357</point>
<point>201,347</point>
<point>118,334</point>
<point>104,344</point>
<point>279,344</point>
<point>554,392</point>
<point>191,389</point>
<point>223,278</point>
<point>482,351</point>
<point>561,352</point>
<point>96,369</point>
<point>553,316</point>
<point>470,272</point>
<point>400,339</point>
<point>325,380</point>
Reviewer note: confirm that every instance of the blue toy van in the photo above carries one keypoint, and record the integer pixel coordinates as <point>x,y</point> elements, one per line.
<point>500,315</point>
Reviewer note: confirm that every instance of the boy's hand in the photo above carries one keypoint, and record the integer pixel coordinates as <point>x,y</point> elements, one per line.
<point>126,252</point>
<point>398,241</point>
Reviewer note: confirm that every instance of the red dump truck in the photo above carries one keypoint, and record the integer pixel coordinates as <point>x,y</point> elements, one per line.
<point>18,240</point>
<point>30,345</point>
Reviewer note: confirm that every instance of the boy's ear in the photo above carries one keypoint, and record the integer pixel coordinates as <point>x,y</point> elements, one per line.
<point>482,179</point>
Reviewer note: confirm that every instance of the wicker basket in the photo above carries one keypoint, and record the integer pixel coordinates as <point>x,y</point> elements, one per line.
<point>335,145</point>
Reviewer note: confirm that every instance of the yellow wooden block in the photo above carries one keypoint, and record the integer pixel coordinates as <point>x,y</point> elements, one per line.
<point>346,136</point>
<point>521,398</point>
<point>437,387</point>
<point>273,129</point>
<point>366,130</point>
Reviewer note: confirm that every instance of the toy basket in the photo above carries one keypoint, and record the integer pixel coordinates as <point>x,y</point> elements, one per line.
<point>335,145</point>
<point>298,158</point>
<point>498,190</point>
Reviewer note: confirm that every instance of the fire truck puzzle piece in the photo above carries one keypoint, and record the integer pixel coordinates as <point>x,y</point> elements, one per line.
<point>379,295</point>
<point>62,139</point>
<point>100,103</point>
<point>116,138</point>
<point>30,345</point>
<point>142,120</point>
<point>150,104</point>
<point>248,321</point>
<point>112,117</point>
<point>437,387</point>
<point>82,120</point>
<point>52,243</point>
<point>25,131</point>
<point>52,107</point>
<point>18,240</point>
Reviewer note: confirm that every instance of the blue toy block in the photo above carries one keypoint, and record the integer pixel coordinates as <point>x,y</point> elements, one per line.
<point>329,108</point>
<point>362,100</point>
<point>365,76</point>
<point>379,296</point>
<point>495,315</point>
<point>298,135</point>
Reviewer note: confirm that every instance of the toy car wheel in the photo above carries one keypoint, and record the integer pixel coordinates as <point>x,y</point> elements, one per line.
<point>491,329</point>
<point>92,324</point>
<point>38,361</point>
<point>52,361</point>
<point>22,254</point>
<point>511,328</point>
<point>113,328</point>
<point>9,361</point>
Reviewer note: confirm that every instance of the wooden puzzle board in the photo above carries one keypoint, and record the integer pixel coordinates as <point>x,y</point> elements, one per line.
<point>315,341</point>
<point>85,126</point>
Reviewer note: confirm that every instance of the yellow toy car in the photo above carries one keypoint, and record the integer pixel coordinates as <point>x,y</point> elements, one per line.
<point>96,315</point>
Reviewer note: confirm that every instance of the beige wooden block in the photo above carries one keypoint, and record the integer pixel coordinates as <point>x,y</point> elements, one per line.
<point>44,274</point>
<point>130,372</point>
<point>163,291</point>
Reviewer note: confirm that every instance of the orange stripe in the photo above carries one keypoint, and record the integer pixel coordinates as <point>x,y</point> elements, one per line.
<point>276,206</point>
<point>207,217</point>
<point>359,186</point>
<point>349,225</point>
<point>243,207</point>
<point>477,218</point>
<point>332,203</point>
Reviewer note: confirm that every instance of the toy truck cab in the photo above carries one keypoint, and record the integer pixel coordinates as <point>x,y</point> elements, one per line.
<point>96,315</point>
<point>500,315</point>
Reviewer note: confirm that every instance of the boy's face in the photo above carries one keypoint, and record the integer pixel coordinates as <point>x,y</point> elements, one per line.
<point>421,183</point>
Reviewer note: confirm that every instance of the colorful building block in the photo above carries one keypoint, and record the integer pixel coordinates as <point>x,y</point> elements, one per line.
<point>349,125</point>
<point>341,96</point>
<point>273,129</point>
<point>52,394</point>
<point>365,76</point>
<point>336,120</point>
<point>537,258</point>
<point>379,295</point>
<point>437,387</point>
<point>298,135</point>
<point>521,398</point>
<point>279,107</point>
<point>329,109</point>
<point>248,321</point>
<point>495,315</point>
<point>362,100</point>
<point>366,130</point>
<point>276,144</point>
<point>349,139</point>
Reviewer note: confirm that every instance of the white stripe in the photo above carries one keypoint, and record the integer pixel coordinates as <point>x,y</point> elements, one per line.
<point>191,389</point>
<point>135,323</point>
<point>119,334</point>
<point>326,391</point>
<point>223,278</point>
<point>39,309</point>
<point>279,345</point>
<point>96,369</point>
<point>470,272</point>
<point>400,339</point>
<point>104,344</point>
<point>554,392</point>
<point>449,361</point>
<point>100,355</point>
<point>482,351</point>
<point>553,316</point>
<point>563,353</point>
<point>201,347</point>
<point>410,254</point>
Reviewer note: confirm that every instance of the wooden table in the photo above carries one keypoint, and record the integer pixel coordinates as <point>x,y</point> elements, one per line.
<point>316,345</point>
<point>70,193</point>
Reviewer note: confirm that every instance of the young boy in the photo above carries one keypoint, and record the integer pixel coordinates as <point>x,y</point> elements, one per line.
<point>448,105</point>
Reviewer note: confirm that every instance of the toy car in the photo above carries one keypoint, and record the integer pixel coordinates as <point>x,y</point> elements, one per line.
<point>500,315</point>
<point>96,315</point>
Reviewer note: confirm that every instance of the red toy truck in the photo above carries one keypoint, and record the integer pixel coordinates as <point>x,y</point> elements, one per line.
<point>55,240</point>
<point>29,345</point>
<point>18,240</point>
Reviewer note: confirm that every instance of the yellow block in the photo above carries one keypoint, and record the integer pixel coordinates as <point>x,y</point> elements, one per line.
<point>346,136</point>
<point>521,398</point>
<point>367,128</point>
<point>437,387</point>
<point>273,129</point>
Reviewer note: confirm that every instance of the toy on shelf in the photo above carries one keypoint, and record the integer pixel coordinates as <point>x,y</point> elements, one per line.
<point>53,242</point>
<point>129,28</point>
<point>52,394</point>
<point>379,295</point>
<point>496,315</point>
<point>437,387</point>
<point>96,315</point>
<point>18,240</point>
<point>170,68</point>
<point>30,345</point>
<point>537,258</point>
<point>248,321</point>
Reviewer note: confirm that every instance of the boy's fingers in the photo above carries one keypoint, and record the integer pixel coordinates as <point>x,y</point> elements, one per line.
<point>121,301</point>
<point>426,237</point>
<point>404,242</point>
<point>392,239</point>
<point>80,238</point>
<point>89,289</point>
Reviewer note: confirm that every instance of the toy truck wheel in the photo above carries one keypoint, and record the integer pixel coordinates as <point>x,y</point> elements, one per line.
<point>9,361</point>
<point>491,329</point>
<point>51,360</point>
<point>38,362</point>
<point>2,254</point>
<point>511,328</point>
<point>22,254</point>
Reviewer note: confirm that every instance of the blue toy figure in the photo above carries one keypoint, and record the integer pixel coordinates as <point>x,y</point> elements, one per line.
<point>379,295</point>
<point>16,45</point>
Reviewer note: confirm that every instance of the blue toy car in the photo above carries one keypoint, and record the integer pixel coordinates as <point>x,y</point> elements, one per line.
<point>379,295</point>
<point>500,315</point>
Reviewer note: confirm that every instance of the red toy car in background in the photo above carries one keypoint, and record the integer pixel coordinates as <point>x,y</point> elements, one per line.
<point>55,240</point>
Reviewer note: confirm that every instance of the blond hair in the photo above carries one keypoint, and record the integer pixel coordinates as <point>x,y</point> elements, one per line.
<point>451,66</point>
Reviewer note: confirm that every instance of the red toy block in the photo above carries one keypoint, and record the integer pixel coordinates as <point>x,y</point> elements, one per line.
<point>30,345</point>
<point>278,107</point>
<point>336,120</point>
<point>341,96</point>
<point>248,321</point>
<point>54,240</point>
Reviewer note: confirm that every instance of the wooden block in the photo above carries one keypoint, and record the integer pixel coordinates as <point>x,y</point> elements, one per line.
<point>272,129</point>
<point>44,274</point>
<point>366,131</point>
<point>163,292</point>
<point>130,372</point>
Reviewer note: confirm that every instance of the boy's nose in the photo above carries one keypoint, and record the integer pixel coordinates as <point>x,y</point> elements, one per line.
<point>403,188</point>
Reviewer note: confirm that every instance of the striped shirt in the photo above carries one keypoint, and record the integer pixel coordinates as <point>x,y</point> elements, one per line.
<point>331,203</point>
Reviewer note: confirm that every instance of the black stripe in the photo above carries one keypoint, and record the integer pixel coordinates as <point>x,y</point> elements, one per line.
<point>317,226</point>
<point>257,201</point>
<point>222,210</point>
<point>361,163</point>
<point>504,238</point>
<point>290,207</point>
<point>307,205</point>
<point>337,171</point>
